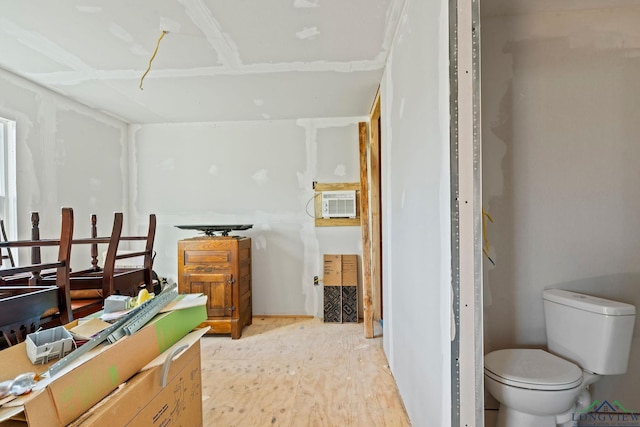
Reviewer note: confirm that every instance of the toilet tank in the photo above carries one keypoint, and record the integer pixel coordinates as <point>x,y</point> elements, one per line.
<point>595,333</point>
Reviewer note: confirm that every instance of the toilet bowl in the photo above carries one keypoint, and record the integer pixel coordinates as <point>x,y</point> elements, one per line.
<point>533,386</point>
<point>587,337</point>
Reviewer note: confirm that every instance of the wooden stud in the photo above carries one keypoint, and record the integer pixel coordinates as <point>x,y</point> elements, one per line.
<point>376,209</point>
<point>367,306</point>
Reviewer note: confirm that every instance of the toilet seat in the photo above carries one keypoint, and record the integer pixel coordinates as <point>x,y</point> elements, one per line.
<point>532,369</point>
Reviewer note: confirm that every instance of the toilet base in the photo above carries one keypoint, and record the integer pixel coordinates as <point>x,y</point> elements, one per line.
<point>508,417</point>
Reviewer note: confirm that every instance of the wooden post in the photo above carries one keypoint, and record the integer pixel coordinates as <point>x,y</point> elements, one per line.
<point>35,250</point>
<point>94,246</point>
<point>367,291</point>
<point>375,209</point>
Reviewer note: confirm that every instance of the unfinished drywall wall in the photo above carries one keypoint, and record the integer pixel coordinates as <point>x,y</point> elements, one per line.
<point>337,160</point>
<point>416,212</point>
<point>260,173</point>
<point>67,155</point>
<point>561,122</point>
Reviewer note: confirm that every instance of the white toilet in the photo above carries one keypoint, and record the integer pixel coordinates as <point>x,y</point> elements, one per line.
<point>587,337</point>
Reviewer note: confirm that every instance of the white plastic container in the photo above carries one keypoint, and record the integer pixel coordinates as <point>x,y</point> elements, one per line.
<point>48,344</point>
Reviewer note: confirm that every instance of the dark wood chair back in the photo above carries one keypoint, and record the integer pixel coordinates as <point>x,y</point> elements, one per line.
<point>90,287</point>
<point>63,313</point>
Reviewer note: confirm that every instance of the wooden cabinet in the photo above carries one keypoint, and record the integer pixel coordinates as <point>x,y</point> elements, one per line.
<point>219,267</point>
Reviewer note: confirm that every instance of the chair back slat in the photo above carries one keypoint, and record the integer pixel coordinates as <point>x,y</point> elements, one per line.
<point>8,256</point>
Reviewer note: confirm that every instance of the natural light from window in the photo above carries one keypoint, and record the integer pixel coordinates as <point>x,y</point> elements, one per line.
<point>8,187</point>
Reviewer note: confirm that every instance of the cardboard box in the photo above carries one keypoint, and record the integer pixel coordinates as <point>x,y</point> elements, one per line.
<point>60,400</point>
<point>349,270</point>
<point>340,270</point>
<point>149,399</point>
<point>332,270</point>
<point>340,288</point>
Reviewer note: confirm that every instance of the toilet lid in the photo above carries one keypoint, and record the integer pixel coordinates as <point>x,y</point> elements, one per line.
<point>532,369</point>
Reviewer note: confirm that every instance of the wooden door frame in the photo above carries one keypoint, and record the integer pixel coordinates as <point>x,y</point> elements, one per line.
<point>370,215</point>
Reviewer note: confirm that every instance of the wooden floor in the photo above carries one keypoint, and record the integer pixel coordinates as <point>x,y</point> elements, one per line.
<point>298,372</point>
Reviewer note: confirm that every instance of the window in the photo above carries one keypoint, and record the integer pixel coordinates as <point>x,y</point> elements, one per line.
<point>8,192</point>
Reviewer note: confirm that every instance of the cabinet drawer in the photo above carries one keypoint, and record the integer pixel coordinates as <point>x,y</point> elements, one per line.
<point>208,269</point>
<point>199,257</point>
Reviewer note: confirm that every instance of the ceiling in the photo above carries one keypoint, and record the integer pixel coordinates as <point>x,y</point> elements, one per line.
<point>219,60</point>
<point>216,60</point>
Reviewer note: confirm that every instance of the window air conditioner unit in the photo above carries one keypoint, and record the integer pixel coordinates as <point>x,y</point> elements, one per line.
<point>339,204</point>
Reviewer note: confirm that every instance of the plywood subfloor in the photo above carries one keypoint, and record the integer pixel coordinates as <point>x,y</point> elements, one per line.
<point>298,372</point>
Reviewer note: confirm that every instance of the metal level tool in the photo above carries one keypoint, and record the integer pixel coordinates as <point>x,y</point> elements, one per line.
<point>141,318</point>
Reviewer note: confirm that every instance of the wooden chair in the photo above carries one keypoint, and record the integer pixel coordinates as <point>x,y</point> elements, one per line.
<point>32,278</point>
<point>7,261</point>
<point>19,317</point>
<point>129,280</point>
<point>88,288</point>
<point>106,281</point>
<point>36,253</point>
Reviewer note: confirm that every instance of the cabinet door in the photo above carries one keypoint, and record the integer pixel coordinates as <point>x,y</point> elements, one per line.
<point>219,291</point>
